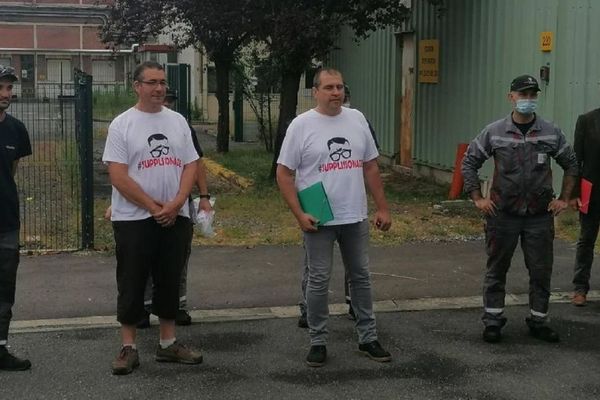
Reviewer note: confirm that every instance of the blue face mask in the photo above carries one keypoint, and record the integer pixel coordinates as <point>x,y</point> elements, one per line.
<point>526,106</point>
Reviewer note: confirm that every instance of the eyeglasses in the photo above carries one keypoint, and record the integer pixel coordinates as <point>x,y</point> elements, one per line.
<point>154,83</point>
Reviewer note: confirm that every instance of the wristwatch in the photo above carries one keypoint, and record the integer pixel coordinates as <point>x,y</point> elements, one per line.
<point>205,196</point>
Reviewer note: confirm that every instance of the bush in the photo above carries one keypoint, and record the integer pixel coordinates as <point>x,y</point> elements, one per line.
<point>110,103</point>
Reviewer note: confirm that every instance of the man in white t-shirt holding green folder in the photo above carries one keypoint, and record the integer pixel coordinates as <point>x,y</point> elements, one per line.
<point>333,145</point>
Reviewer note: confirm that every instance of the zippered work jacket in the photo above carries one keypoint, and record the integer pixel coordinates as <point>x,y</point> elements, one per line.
<point>522,180</point>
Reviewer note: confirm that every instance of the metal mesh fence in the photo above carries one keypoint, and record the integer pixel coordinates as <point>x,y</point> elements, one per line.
<point>49,180</point>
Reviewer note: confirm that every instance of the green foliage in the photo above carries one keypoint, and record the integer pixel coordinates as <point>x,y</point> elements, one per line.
<point>109,104</point>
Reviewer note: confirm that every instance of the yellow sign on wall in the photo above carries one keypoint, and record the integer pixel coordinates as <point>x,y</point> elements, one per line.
<point>546,41</point>
<point>429,61</point>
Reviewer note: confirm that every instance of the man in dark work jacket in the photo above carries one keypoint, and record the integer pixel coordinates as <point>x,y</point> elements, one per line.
<point>521,203</point>
<point>587,150</point>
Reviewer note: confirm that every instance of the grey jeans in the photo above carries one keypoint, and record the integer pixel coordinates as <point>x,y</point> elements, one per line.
<point>353,240</point>
<point>9,262</point>
<point>302,303</point>
<point>502,234</point>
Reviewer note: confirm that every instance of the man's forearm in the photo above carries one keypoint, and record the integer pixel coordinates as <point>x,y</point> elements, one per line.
<point>375,184</point>
<point>188,177</point>
<point>133,192</point>
<point>201,177</point>
<point>476,194</point>
<point>285,181</point>
<point>568,186</point>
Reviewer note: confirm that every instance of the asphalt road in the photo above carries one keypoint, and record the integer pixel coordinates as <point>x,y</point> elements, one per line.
<point>437,355</point>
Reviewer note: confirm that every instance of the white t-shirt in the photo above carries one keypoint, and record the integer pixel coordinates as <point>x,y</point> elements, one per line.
<point>331,150</point>
<point>156,147</point>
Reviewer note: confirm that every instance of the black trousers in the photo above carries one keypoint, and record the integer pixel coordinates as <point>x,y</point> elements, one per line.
<point>588,233</point>
<point>143,248</point>
<point>9,262</point>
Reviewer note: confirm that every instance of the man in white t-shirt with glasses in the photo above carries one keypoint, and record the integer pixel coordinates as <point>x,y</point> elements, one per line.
<point>152,166</point>
<point>333,145</point>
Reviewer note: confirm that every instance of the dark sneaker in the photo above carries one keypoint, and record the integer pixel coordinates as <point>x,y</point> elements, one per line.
<point>145,322</point>
<point>178,353</point>
<point>375,352</point>
<point>183,318</point>
<point>544,333</point>
<point>126,361</point>
<point>351,315</point>
<point>316,356</point>
<point>492,334</point>
<point>8,362</point>
<point>302,321</point>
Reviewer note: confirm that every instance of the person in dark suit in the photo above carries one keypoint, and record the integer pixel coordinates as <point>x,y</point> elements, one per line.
<point>587,150</point>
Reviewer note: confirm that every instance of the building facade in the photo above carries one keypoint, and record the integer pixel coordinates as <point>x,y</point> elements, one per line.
<point>45,40</point>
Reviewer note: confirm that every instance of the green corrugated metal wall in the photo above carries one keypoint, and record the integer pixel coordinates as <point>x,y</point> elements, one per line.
<point>370,70</point>
<point>483,45</point>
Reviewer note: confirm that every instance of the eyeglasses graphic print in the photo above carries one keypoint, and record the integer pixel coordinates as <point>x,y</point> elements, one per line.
<point>339,148</point>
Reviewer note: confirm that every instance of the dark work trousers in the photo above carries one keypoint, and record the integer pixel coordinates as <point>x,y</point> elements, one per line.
<point>588,234</point>
<point>502,233</point>
<point>9,261</point>
<point>143,248</point>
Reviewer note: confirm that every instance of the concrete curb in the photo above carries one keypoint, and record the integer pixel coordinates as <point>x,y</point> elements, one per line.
<point>257,313</point>
<point>220,171</point>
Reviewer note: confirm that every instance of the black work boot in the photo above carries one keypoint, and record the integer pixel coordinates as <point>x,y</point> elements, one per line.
<point>8,362</point>
<point>492,334</point>
<point>544,333</point>
<point>540,330</point>
<point>183,318</point>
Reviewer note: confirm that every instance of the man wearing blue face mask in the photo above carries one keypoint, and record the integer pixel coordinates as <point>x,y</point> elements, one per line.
<point>521,203</point>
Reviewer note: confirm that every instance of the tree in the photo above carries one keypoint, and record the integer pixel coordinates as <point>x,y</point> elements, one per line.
<point>219,27</point>
<point>300,31</point>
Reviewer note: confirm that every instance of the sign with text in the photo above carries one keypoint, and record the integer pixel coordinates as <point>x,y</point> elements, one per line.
<point>429,61</point>
<point>546,41</point>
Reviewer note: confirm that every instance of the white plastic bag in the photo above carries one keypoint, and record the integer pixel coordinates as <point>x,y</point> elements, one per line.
<point>204,220</point>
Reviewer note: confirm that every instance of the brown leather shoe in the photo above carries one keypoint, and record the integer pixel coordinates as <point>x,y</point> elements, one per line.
<point>579,299</point>
<point>126,361</point>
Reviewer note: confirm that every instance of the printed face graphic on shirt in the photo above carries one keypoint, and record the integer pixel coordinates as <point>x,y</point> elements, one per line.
<point>339,148</point>
<point>159,145</point>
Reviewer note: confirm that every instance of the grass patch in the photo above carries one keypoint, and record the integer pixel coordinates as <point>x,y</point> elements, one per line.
<point>107,105</point>
<point>259,216</point>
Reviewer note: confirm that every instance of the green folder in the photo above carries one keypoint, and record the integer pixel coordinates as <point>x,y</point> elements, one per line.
<point>313,201</point>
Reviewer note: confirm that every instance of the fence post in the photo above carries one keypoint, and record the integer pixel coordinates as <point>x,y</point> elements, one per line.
<point>238,110</point>
<point>85,131</point>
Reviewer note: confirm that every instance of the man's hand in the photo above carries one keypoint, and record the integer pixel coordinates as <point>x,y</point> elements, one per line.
<point>167,215</point>
<point>307,222</point>
<point>108,213</point>
<point>205,205</point>
<point>557,206</point>
<point>575,204</point>
<point>487,206</point>
<point>383,220</point>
